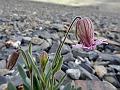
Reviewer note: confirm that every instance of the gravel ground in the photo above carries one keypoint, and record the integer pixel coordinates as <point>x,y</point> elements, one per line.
<point>44,25</point>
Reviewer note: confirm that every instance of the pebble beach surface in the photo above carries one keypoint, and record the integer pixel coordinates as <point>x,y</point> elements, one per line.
<point>45,24</point>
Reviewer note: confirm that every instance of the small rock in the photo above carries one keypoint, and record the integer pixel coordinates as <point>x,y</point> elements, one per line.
<point>84,73</point>
<point>13,43</point>
<point>78,52</point>
<point>65,49</point>
<point>113,80</point>
<point>42,34</point>
<point>51,56</point>
<point>109,86</point>
<point>94,85</point>
<point>3,80</point>
<point>68,57</point>
<point>59,75</point>
<point>64,67</point>
<point>55,36</point>
<point>54,47</point>
<point>45,45</point>
<point>73,73</point>
<point>93,55</point>
<point>3,86</point>
<point>16,80</point>
<point>36,40</point>
<point>100,70</point>
<point>58,27</point>
<point>117,67</point>
<point>26,39</point>
<point>68,41</point>
<point>87,67</point>
<point>3,72</point>
<point>111,58</point>
<point>2,64</point>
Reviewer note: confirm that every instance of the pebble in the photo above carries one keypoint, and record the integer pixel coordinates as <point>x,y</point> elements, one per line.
<point>37,41</point>
<point>58,27</point>
<point>100,70</point>
<point>73,73</point>
<point>79,52</point>
<point>113,80</point>
<point>3,80</point>
<point>68,57</point>
<point>78,64</point>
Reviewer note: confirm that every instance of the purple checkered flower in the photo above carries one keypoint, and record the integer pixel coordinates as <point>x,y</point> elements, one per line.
<point>85,32</point>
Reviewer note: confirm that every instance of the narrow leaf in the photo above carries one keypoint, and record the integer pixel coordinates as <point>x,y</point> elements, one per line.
<point>60,82</point>
<point>35,69</point>
<point>30,48</point>
<point>24,77</point>
<point>58,66</point>
<point>25,58</point>
<point>11,86</point>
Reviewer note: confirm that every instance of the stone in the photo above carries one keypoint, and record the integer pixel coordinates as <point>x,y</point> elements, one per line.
<point>16,80</point>
<point>73,73</point>
<point>93,55</point>
<point>13,43</point>
<point>84,73</point>
<point>26,39</point>
<point>87,67</point>
<point>45,45</point>
<point>59,75</point>
<point>94,85</point>
<point>2,64</point>
<point>108,57</point>
<point>68,41</point>
<point>68,57</point>
<point>54,47</point>
<point>37,41</point>
<point>79,52</point>
<point>55,36</point>
<point>116,67</point>
<point>100,70</point>
<point>51,56</point>
<point>58,27</point>
<point>3,80</point>
<point>65,49</point>
<point>109,86</point>
<point>112,79</point>
<point>3,86</point>
<point>3,72</point>
<point>42,34</point>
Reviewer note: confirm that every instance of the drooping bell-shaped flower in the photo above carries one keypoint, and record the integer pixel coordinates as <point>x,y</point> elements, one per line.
<point>85,32</point>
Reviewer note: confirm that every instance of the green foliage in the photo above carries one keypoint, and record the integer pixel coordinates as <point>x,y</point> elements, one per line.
<point>41,77</point>
<point>11,86</point>
<point>25,79</point>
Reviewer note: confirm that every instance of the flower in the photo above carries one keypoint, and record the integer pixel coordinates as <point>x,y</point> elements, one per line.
<point>85,32</point>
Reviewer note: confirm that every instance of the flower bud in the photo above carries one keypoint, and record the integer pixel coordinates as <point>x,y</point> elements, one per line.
<point>43,59</point>
<point>85,33</point>
<point>12,59</point>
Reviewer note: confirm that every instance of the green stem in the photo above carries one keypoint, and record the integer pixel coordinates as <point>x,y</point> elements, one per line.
<point>61,44</point>
<point>31,77</point>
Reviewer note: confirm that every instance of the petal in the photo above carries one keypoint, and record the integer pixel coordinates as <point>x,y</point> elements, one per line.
<point>89,48</point>
<point>77,46</point>
<point>100,41</point>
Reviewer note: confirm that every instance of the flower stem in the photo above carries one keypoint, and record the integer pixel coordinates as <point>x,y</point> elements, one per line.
<point>61,44</point>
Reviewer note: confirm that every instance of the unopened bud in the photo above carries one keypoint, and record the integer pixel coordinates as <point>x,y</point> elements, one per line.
<point>12,59</point>
<point>43,60</point>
